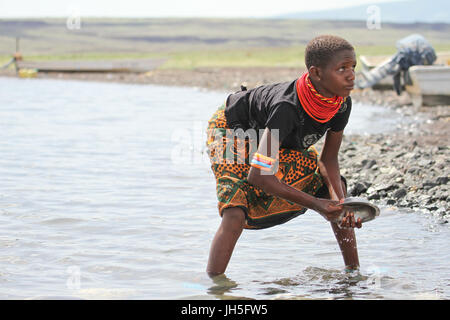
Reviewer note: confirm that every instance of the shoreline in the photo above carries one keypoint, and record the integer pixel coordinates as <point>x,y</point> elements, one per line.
<point>407,168</point>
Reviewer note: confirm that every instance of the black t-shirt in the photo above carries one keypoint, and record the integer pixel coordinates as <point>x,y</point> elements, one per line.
<point>277,106</point>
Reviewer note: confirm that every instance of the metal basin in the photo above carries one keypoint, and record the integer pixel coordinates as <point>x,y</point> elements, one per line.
<point>361,208</point>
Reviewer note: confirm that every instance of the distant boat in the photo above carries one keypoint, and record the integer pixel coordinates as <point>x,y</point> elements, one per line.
<point>430,84</point>
<point>137,65</point>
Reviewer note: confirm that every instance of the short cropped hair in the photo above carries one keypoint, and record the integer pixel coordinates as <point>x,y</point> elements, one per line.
<point>321,49</point>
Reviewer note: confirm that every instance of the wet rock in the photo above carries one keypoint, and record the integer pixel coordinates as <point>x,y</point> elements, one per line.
<point>442,180</point>
<point>373,196</point>
<point>424,199</point>
<point>400,193</point>
<point>359,188</point>
<point>400,154</point>
<point>399,180</point>
<point>388,186</point>
<point>441,212</point>
<point>429,184</point>
<point>367,164</point>
<point>390,201</point>
<point>414,170</point>
<point>431,207</point>
<point>425,163</point>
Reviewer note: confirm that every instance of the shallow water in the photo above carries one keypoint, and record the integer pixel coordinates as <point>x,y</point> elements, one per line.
<point>105,194</point>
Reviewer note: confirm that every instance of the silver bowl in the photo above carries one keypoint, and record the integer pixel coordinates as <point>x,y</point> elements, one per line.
<point>361,208</point>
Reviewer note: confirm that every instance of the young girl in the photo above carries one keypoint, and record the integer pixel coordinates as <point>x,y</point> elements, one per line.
<point>267,179</point>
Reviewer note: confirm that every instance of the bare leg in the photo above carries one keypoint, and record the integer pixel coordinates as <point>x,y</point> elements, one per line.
<point>230,229</point>
<point>347,242</point>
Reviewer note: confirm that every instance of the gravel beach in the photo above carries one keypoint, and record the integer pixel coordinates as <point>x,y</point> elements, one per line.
<point>408,168</point>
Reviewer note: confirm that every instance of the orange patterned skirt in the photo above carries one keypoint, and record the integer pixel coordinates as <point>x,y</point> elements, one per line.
<point>231,166</point>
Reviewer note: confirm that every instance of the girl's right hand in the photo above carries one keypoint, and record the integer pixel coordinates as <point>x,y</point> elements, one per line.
<point>329,209</point>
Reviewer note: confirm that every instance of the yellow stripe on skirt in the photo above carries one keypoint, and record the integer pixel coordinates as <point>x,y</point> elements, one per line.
<point>296,168</point>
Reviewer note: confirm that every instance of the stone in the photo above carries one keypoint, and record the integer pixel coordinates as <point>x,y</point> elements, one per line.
<point>367,164</point>
<point>358,188</point>
<point>414,170</point>
<point>430,184</point>
<point>441,180</point>
<point>373,196</point>
<point>400,193</point>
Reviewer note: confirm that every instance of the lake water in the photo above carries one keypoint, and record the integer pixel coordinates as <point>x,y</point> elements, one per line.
<point>105,194</point>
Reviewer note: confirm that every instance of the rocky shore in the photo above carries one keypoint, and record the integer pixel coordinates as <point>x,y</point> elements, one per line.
<point>398,170</point>
<point>407,168</point>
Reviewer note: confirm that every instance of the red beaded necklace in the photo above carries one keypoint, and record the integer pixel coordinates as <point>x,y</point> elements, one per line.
<point>318,107</point>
